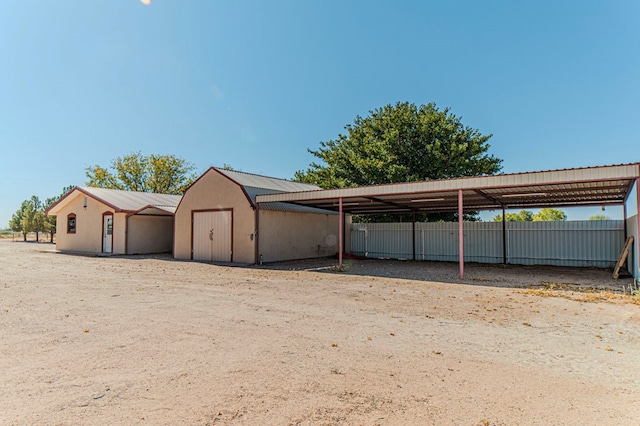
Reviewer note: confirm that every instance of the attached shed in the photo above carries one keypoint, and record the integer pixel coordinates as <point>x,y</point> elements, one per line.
<point>217,220</point>
<point>99,220</point>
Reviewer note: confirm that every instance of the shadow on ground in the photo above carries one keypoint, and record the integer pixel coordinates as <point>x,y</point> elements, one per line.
<point>495,275</point>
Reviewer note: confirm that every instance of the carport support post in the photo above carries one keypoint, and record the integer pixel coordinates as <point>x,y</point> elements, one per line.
<point>256,236</point>
<point>413,235</point>
<point>504,238</point>
<point>341,237</point>
<point>460,234</point>
<point>624,216</point>
<point>637,252</point>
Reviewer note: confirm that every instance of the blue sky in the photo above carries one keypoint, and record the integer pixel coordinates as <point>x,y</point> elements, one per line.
<point>254,84</point>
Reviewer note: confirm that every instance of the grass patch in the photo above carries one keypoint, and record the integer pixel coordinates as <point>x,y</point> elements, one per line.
<point>581,294</point>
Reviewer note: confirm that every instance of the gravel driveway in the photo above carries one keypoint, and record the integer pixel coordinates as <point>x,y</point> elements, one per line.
<point>150,340</point>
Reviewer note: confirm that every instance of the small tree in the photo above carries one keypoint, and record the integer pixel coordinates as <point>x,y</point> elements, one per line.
<point>33,219</point>
<point>599,217</point>
<point>549,215</point>
<point>50,221</point>
<point>16,220</point>
<point>521,216</point>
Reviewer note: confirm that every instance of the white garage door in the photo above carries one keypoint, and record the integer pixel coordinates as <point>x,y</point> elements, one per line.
<point>212,236</point>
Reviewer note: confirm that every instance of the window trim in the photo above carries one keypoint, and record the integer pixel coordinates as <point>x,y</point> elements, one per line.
<point>75,223</point>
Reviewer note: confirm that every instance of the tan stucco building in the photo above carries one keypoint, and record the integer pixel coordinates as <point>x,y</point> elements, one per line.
<point>98,220</point>
<point>218,220</point>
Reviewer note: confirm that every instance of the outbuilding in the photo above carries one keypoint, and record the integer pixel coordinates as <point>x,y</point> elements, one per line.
<point>218,220</point>
<point>110,221</point>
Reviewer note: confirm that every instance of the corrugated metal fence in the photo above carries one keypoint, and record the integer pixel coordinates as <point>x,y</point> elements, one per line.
<point>564,243</point>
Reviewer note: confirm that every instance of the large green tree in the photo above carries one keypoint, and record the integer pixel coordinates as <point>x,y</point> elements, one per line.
<point>162,174</point>
<point>401,143</point>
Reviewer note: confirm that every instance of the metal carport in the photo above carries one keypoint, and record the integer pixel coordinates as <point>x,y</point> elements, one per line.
<point>588,186</point>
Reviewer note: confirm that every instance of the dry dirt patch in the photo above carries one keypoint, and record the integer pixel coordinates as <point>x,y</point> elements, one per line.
<point>117,340</point>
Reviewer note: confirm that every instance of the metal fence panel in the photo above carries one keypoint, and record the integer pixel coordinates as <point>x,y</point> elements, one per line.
<point>563,243</point>
<point>382,240</point>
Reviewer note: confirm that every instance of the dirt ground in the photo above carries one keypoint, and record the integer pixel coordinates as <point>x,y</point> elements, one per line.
<point>146,340</point>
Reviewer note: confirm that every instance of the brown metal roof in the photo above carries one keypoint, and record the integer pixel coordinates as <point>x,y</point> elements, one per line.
<point>120,201</point>
<point>602,185</point>
<point>254,185</point>
<point>264,182</point>
<point>155,211</point>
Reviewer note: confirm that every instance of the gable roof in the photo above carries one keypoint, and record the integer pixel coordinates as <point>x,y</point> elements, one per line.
<point>119,200</point>
<point>264,182</point>
<point>254,185</point>
<point>151,210</point>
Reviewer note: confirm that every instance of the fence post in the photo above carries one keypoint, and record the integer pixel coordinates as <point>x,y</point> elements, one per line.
<point>504,237</point>
<point>461,233</point>
<point>413,235</point>
<point>341,239</point>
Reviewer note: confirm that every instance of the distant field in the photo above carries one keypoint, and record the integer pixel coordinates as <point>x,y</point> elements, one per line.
<point>31,236</point>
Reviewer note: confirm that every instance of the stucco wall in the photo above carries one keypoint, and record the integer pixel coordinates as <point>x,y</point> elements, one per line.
<point>88,235</point>
<point>119,233</point>
<point>289,236</point>
<point>210,192</point>
<point>149,234</point>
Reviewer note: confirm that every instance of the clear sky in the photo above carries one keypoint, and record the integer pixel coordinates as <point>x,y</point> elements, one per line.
<point>255,83</point>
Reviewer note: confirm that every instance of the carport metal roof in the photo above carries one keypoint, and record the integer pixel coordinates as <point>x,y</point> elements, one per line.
<point>601,185</point>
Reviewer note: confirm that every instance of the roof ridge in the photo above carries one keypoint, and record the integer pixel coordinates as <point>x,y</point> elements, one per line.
<point>553,170</point>
<point>126,190</point>
<point>261,176</point>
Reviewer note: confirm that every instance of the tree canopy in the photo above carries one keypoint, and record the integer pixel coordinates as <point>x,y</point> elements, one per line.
<point>162,174</point>
<point>544,215</point>
<point>401,143</point>
<point>50,221</point>
<point>16,220</point>
<point>33,217</point>
<point>521,216</point>
<point>599,217</point>
<point>30,217</point>
<point>549,215</point>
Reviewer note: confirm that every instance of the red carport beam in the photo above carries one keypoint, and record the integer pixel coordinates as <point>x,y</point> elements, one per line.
<point>637,259</point>
<point>341,243</point>
<point>460,234</point>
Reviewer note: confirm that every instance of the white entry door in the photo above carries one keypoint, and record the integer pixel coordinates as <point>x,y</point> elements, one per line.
<point>212,236</point>
<point>107,234</point>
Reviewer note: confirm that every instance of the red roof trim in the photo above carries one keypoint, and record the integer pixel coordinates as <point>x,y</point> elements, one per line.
<point>88,194</point>
<point>237,183</point>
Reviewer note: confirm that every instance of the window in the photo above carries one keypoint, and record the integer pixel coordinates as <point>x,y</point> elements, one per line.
<point>71,223</point>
